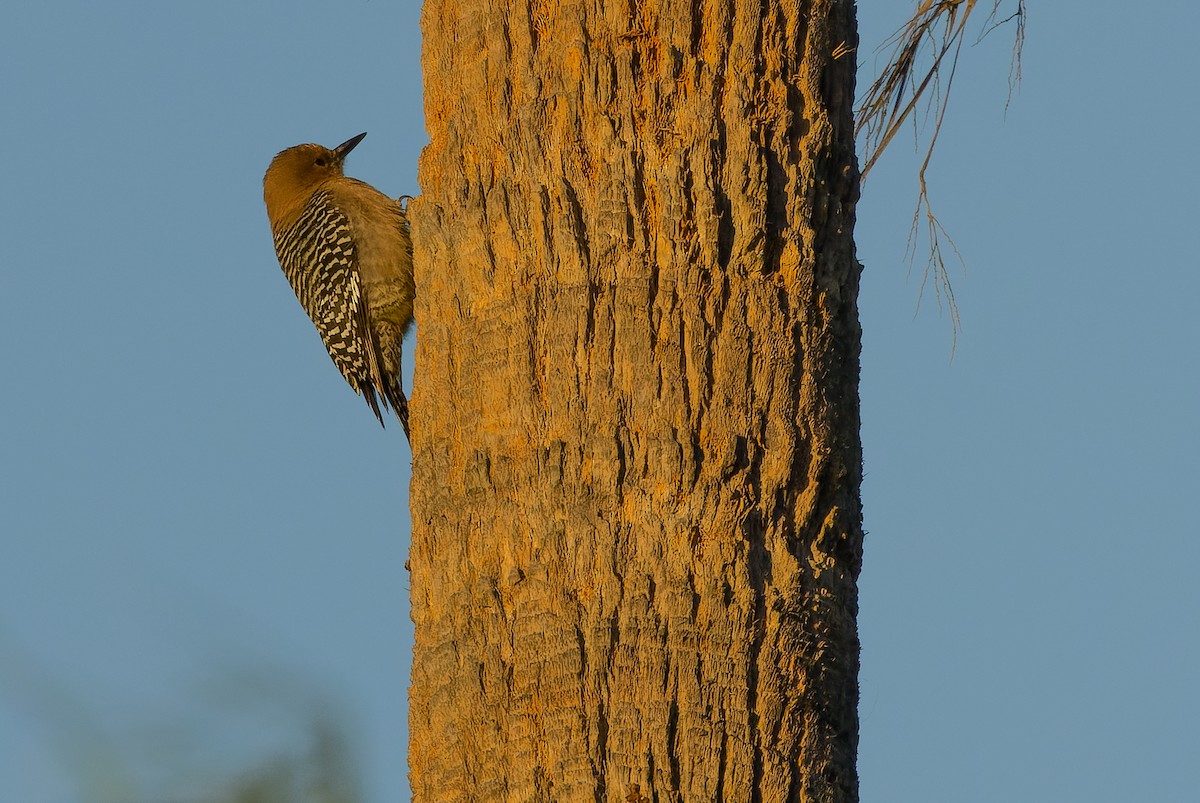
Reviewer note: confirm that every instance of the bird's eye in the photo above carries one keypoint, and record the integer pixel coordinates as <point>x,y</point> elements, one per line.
<point>322,161</point>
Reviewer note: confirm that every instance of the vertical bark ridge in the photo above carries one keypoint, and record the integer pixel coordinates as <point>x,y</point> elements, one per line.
<point>637,527</point>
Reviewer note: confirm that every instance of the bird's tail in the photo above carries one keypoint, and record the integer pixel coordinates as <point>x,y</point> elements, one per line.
<point>394,397</point>
<point>368,392</point>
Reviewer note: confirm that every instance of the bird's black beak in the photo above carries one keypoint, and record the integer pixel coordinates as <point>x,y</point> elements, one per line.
<point>348,145</point>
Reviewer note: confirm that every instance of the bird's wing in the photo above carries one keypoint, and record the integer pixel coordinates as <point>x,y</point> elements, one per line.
<point>318,257</point>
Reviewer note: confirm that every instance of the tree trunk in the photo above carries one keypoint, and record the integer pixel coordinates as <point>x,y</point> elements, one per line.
<point>636,515</point>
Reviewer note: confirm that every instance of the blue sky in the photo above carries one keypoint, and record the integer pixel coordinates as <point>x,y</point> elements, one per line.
<point>202,532</point>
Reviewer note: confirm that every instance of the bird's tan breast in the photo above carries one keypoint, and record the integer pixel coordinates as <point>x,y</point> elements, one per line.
<point>382,244</point>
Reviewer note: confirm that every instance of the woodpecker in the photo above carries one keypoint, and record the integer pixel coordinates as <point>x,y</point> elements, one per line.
<point>345,249</point>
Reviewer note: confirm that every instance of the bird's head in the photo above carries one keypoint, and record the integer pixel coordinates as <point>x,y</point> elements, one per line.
<point>296,173</point>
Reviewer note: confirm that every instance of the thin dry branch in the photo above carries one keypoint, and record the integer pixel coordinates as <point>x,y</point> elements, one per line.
<point>1014,69</point>
<point>934,36</point>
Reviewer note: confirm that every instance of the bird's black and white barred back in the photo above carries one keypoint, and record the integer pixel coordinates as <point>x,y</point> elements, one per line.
<point>318,258</point>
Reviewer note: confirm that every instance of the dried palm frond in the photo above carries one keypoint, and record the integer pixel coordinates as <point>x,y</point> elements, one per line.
<point>924,60</point>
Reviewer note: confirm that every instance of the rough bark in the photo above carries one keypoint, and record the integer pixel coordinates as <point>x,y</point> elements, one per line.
<point>636,516</point>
